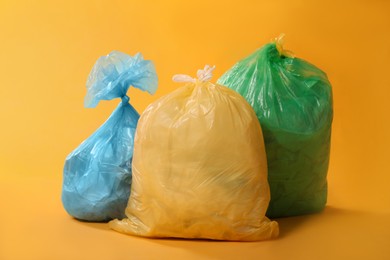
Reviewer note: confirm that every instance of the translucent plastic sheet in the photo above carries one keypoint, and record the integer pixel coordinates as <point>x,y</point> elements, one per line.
<point>97,174</point>
<point>293,102</point>
<point>199,168</point>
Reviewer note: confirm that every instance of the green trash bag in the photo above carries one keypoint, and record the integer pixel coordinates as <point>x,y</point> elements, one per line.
<point>293,102</point>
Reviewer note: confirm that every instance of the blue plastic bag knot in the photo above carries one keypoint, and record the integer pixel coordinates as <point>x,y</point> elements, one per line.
<point>125,99</point>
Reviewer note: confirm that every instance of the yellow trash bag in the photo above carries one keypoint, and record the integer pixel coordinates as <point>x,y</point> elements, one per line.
<point>199,167</point>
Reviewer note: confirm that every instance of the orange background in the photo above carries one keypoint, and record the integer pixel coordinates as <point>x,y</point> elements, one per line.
<point>47,49</point>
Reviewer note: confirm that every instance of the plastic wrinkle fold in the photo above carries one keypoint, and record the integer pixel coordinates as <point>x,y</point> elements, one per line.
<point>97,174</point>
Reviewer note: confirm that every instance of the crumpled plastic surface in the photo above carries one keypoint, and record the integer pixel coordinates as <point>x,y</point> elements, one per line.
<point>199,169</point>
<point>293,102</point>
<point>97,174</point>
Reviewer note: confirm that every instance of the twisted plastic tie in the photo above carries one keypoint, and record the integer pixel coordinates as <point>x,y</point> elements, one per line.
<point>125,99</point>
<point>279,42</point>
<point>202,75</point>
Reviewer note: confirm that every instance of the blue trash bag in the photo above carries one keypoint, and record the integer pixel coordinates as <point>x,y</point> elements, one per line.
<point>97,174</point>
